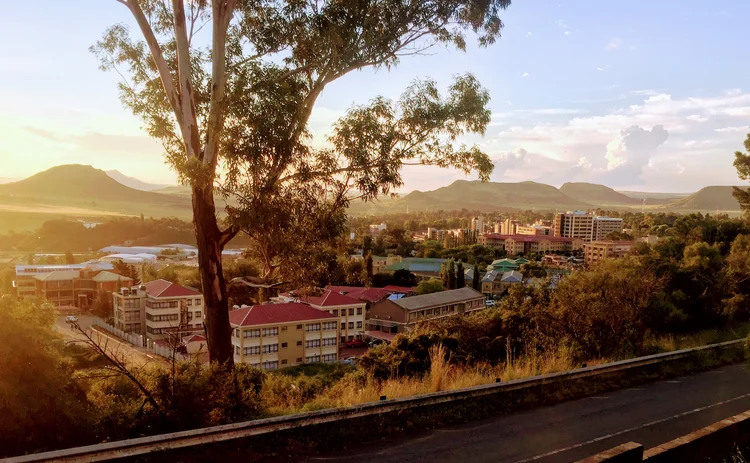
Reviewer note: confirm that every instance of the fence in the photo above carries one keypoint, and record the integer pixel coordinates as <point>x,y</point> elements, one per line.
<point>133,339</point>
<point>392,411</point>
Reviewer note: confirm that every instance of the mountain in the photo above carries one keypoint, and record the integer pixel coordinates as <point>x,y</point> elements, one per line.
<point>77,190</point>
<point>132,182</point>
<point>710,198</point>
<point>648,195</point>
<point>7,180</point>
<point>475,195</point>
<point>177,190</point>
<point>598,195</point>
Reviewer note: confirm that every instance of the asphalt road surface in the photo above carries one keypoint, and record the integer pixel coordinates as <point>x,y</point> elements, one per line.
<point>650,414</point>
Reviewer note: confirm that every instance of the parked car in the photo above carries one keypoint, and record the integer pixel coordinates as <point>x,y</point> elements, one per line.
<point>489,303</point>
<point>71,319</point>
<point>376,342</point>
<point>351,360</point>
<point>355,343</point>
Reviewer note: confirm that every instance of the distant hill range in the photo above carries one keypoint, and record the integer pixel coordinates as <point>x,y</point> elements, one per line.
<point>133,182</point>
<point>80,191</point>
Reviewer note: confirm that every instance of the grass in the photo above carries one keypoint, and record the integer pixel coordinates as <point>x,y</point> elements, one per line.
<point>700,338</point>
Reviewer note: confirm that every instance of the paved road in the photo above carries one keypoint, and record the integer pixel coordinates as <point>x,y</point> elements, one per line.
<point>649,414</point>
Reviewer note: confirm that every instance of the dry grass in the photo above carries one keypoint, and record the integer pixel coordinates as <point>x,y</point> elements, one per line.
<point>702,338</point>
<point>353,389</point>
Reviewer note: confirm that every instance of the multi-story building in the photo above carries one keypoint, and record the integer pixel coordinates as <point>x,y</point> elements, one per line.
<point>509,227</point>
<point>495,283</point>
<point>437,234</point>
<point>477,224</point>
<point>598,250</point>
<point>397,316</point>
<point>274,336</point>
<point>159,309</point>
<point>534,229</point>
<point>603,226</point>
<point>523,244</point>
<point>24,281</point>
<point>73,288</point>
<point>349,311</point>
<point>498,227</point>
<point>575,224</point>
<point>588,227</point>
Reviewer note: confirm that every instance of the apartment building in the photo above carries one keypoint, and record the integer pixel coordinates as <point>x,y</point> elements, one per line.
<point>534,229</point>
<point>272,336</point>
<point>477,224</point>
<point>603,226</point>
<point>72,288</point>
<point>350,311</point>
<point>400,315</point>
<point>598,250</point>
<point>159,309</point>
<point>585,226</point>
<point>437,234</point>
<point>509,227</point>
<point>495,283</point>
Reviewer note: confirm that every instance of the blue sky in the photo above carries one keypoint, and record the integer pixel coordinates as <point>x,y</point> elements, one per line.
<point>641,95</point>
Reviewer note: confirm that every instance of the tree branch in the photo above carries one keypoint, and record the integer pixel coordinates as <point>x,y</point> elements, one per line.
<point>184,74</point>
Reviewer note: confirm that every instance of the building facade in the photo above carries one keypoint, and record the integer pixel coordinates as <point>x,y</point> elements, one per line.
<point>598,250</point>
<point>272,336</point>
<point>585,226</point>
<point>398,316</point>
<point>524,244</point>
<point>159,309</point>
<point>535,229</point>
<point>603,226</point>
<point>495,283</point>
<point>25,281</point>
<point>351,312</point>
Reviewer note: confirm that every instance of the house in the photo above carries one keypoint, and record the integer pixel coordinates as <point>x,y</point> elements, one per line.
<point>272,336</point>
<point>495,282</point>
<point>159,309</point>
<point>195,344</point>
<point>398,316</point>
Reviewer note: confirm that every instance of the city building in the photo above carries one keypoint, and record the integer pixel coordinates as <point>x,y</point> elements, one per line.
<point>498,227</point>
<point>477,224</point>
<point>78,287</point>
<point>25,283</point>
<point>509,227</point>
<point>598,250</point>
<point>349,310</point>
<point>523,244</point>
<point>159,309</point>
<point>603,226</point>
<point>377,228</point>
<point>534,229</point>
<point>272,336</point>
<point>495,282</point>
<point>437,234</point>
<point>389,317</point>
<point>585,226</point>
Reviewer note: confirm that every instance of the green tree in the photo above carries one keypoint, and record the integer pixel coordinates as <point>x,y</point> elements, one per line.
<point>433,285</point>
<point>742,164</point>
<point>245,101</point>
<point>475,280</point>
<point>128,270</point>
<point>460,276</point>
<point>451,271</point>
<point>69,257</point>
<point>403,277</point>
<point>533,270</point>
<point>368,265</point>
<point>737,305</point>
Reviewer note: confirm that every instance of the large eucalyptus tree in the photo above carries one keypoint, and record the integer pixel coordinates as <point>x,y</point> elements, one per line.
<point>228,87</point>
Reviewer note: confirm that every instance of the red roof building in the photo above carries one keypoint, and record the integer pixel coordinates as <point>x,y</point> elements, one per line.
<point>269,314</point>
<point>164,288</point>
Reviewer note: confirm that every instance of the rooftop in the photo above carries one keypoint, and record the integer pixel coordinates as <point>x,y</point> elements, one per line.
<point>267,314</point>
<point>363,294</point>
<point>329,299</point>
<point>164,288</point>
<point>59,275</point>
<point>105,276</point>
<point>441,298</point>
<point>529,238</point>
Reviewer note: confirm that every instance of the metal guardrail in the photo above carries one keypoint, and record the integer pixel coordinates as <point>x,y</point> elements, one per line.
<point>195,437</point>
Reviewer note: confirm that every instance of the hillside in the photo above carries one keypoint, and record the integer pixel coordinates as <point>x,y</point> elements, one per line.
<point>132,182</point>
<point>598,195</point>
<point>475,195</point>
<point>83,191</point>
<point>710,198</point>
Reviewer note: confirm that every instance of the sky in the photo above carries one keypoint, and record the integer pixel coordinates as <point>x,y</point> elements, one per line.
<point>640,95</point>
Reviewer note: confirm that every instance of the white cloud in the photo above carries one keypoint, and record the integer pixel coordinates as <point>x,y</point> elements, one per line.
<point>697,118</point>
<point>614,44</point>
<point>528,34</point>
<point>525,74</point>
<point>733,129</point>
<point>599,69</point>
<point>629,152</point>
<point>567,32</point>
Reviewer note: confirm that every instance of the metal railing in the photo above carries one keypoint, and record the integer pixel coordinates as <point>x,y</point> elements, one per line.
<point>133,339</point>
<point>196,437</point>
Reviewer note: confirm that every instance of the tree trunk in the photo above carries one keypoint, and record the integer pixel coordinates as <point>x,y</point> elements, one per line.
<point>209,239</point>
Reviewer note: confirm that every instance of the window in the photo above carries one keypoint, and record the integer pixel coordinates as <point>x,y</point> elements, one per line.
<point>283,362</point>
<point>359,324</point>
<point>343,325</point>
<point>284,345</point>
<point>329,357</point>
<point>189,302</point>
<point>236,333</point>
<point>197,314</point>
<point>190,316</point>
<point>283,328</point>
<point>299,360</point>
<point>270,365</point>
<point>335,312</point>
<point>299,343</point>
<point>312,327</point>
<point>271,331</point>
<point>312,343</point>
<point>252,350</point>
<point>329,341</point>
<point>132,316</point>
<point>270,348</point>
<point>299,327</point>
<point>198,301</point>
<point>162,305</point>
<point>312,359</point>
<point>237,350</point>
<point>359,310</point>
<point>251,333</point>
<point>351,311</point>
<point>162,318</point>
<point>328,326</point>
<point>351,325</point>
